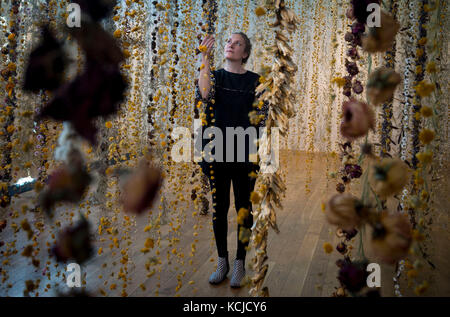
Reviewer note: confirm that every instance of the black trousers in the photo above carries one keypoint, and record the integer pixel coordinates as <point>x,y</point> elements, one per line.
<point>243,185</point>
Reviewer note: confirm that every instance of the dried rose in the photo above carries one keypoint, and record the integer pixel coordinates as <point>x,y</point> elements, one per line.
<point>353,170</point>
<point>340,187</point>
<point>46,65</point>
<point>381,85</point>
<point>392,237</point>
<point>74,243</point>
<point>341,248</point>
<point>68,183</point>
<point>358,118</point>
<point>345,211</point>
<point>389,176</point>
<point>96,92</point>
<point>141,188</point>
<point>358,28</point>
<point>351,67</point>
<point>357,87</point>
<point>359,9</point>
<point>352,52</point>
<point>380,39</point>
<point>350,234</point>
<point>353,275</point>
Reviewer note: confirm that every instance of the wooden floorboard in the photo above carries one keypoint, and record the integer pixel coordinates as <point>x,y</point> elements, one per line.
<point>298,265</point>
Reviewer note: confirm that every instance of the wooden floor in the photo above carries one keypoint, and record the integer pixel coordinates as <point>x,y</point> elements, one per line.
<point>298,265</point>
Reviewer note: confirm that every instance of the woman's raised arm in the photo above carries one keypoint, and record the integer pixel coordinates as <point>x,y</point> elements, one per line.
<point>204,80</point>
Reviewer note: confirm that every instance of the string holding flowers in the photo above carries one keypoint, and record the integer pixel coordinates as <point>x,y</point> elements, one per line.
<point>275,89</point>
<point>357,119</point>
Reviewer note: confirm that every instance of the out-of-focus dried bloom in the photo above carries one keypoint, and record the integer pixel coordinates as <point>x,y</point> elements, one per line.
<point>46,65</point>
<point>68,183</point>
<point>345,211</point>
<point>88,97</point>
<point>389,176</point>
<point>359,9</point>
<point>357,119</point>
<point>381,85</point>
<point>380,39</point>
<point>141,188</point>
<point>74,243</point>
<point>392,237</point>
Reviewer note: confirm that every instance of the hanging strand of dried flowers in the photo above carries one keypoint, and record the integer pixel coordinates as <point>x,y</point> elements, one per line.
<point>424,130</point>
<point>386,127</point>
<point>9,74</point>
<point>410,22</point>
<point>276,90</point>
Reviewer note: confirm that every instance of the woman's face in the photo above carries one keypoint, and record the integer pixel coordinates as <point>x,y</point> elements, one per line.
<point>235,48</point>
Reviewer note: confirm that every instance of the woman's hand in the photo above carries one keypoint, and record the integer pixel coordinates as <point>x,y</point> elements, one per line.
<point>207,45</point>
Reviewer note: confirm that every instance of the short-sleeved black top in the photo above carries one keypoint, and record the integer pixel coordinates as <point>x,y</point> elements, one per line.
<point>233,95</point>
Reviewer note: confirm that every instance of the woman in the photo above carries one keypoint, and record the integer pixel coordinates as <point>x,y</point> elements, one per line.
<point>229,94</point>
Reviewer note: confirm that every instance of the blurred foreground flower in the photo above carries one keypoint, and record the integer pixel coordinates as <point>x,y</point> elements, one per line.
<point>141,188</point>
<point>381,85</point>
<point>389,176</point>
<point>357,119</point>
<point>46,65</point>
<point>345,211</point>
<point>380,39</point>
<point>74,243</point>
<point>392,237</point>
<point>88,97</point>
<point>359,11</point>
<point>67,183</point>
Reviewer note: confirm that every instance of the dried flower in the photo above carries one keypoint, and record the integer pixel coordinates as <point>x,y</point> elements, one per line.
<point>74,243</point>
<point>426,136</point>
<point>389,176</point>
<point>358,118</point>
<point>327,247</point>
<point>381,85</point>
<point>87,97</point>
<point>260,11</point>
<point>380,39</point>
<point>141,188</point>
<point>424,89</point>
<point>357,87</point>
<point>344,211</point>
<point>67,183</point>
<point>351,67</point>
<point>46,65</point>
<point>353,275</point>
<point>425,157</point>
<point>340,188</point>
<point>392,237</point>
<point>426,111</point>
<point>353,170</point>
<point>359,9</point>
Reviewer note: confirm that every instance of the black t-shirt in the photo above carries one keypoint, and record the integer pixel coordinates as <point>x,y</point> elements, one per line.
<point>230,101</point>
